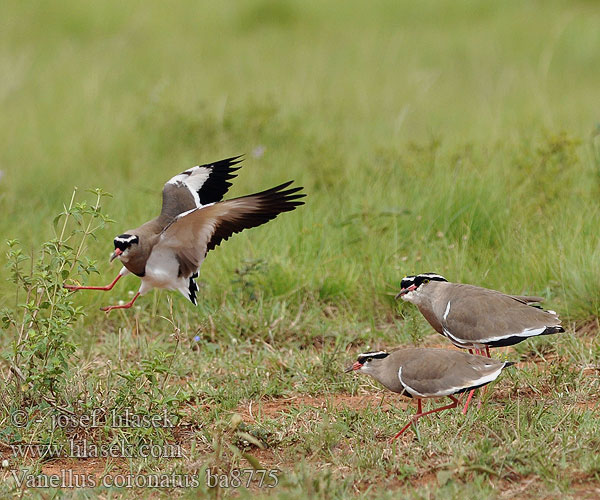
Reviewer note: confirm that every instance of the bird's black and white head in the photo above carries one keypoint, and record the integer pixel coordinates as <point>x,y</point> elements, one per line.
<point>125,244</point>
<point>368,362</point>
<point>412,286</point>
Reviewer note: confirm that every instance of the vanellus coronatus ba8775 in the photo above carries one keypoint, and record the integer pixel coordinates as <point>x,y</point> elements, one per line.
<point>428,373</point>
<point>167,251</point>
<point>477,318</point>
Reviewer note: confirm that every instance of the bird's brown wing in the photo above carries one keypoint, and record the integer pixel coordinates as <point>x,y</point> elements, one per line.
<point>485,316</point>
<point>197,187</point>
<point>192,234</point>
<point>440,372</point>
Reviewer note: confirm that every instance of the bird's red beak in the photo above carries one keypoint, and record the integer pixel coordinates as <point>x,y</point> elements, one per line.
<point>355,366</point>
<point>115,254</point>
<point>405,291</point>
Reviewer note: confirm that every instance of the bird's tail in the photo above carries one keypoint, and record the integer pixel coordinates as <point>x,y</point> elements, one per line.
<point>190,291</point>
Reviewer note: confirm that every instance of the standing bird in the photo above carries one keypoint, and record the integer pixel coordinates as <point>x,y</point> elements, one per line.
<point>428,373</point>
<point>167,251</point>
<point>477,318</point>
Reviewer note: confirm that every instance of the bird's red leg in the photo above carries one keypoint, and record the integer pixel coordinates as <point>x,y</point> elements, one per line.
<point>105,288</point>
<point>479,352</point>
<point>487,353</point>
<point>410,422</point>
<point>454,404</point>
<point>469,397</point>
<point>420,414</point>
<point>124,306</point>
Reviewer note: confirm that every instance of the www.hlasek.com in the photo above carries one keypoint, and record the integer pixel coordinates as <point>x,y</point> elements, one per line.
<point>236,478</point>
<point>86,449</point>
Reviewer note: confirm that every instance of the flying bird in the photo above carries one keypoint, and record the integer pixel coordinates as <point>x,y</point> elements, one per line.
<point>422,373</point>
<point>167,251</point>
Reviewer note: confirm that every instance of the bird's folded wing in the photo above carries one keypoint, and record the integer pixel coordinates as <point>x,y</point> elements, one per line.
<point>198,186</point>
<point>497,317</point>
<point>192,234</point>
<point>449,374</point>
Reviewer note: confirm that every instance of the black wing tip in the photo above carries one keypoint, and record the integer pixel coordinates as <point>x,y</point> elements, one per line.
<point>226,163</point>
<point>217,184</point>
<point>234,160</point>
<point>292,191</point>
<point>280,191</point>
<point>508,363</point>
<point>277,188</point>
<point>281,199</point>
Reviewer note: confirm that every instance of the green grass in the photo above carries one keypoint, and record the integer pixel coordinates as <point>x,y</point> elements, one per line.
<point>456,137</point>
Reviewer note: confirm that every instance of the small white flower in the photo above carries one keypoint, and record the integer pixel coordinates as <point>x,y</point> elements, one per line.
<point>130,292</point>
<point>5,461</point>
<point>121,302</point>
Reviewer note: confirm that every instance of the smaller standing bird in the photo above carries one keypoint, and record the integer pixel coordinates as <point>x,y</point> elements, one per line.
<point>472,317</point>
<point>428,373</point>
<point>167,251</point>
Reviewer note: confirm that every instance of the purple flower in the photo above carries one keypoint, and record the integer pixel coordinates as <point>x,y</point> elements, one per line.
<point>197,338</point>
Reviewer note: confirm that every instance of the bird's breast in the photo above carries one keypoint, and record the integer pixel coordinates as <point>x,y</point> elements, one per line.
<point>162,270</point>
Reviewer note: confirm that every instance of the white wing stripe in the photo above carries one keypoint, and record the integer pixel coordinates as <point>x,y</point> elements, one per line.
<point>197,178</point>
<point>529,332</point>
<point>454,340</point>
<point>183,214</point>
<point>193,180</point>
<point>447,311</point>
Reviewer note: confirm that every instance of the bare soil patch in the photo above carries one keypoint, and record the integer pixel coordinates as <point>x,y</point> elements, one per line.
<point>274,408</point>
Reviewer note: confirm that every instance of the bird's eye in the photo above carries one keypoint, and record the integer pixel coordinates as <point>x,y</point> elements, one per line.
<point>368,359</point>
<point>425,281</point>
